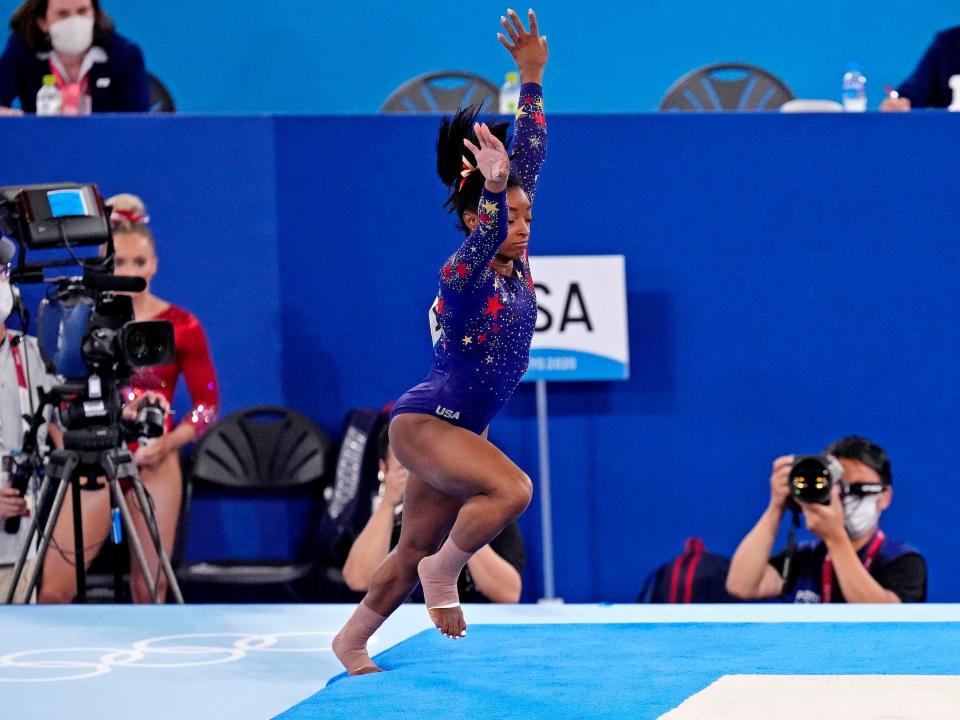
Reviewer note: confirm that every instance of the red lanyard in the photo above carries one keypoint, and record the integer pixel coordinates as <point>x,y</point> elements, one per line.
<point>63,82</point>
<point>17,360</point>
<point>871,555</point>
<point>71,92</point>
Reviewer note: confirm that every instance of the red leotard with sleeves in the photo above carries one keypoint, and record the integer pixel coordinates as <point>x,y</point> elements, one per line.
<point>193,360</point>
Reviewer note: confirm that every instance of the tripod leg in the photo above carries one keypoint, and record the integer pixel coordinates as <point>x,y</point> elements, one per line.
<point>119,463</point>
<point>48,531</point>
<point>81,568</point>
<point>151,519</point>
<point>116,538</point>
<point>60,467</point>
<point>132,534</point>
<point>25,550</point>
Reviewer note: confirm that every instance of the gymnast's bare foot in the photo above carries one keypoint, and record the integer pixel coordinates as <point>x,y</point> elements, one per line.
<point>449,621</point>
<point>441,597</point>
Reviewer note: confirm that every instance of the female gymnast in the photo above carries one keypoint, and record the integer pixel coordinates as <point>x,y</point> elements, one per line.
<point>460,487</point>
<point>159,462</point>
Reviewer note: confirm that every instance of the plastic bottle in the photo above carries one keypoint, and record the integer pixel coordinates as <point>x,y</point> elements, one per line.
<point>955,86</point>
<point>510,94</point>
<point>49,100</point>
<point>854,89</point>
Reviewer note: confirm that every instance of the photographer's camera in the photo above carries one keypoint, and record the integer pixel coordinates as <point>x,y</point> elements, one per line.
<point>812,478</point>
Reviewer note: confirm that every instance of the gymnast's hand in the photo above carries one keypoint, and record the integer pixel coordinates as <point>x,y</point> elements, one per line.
<point>491,157</point>
<point>529,49</point>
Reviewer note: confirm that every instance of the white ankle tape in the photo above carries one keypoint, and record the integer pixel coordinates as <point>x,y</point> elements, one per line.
<point>445,607</point>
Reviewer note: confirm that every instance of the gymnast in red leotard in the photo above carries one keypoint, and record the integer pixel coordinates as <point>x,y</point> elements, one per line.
<point>159,462</point>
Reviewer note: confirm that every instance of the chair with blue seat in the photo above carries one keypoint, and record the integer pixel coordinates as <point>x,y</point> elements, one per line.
<point>726,86</point>
<point>258,478</point>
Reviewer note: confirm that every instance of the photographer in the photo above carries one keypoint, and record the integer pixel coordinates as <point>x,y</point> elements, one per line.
<point>853,561</point>
<point>491,575</point>
<point>21,371</point>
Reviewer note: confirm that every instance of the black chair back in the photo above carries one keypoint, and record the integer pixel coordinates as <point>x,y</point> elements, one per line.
<point>265,447</point>
<point>161,101</point>
<point>442,92</point>
<point>726,86</point>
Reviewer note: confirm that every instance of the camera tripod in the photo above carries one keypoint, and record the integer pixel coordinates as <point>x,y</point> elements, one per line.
<point>92,454</point>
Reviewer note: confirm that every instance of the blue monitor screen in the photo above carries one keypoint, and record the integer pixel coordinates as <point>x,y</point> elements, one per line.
<point>66,203</point>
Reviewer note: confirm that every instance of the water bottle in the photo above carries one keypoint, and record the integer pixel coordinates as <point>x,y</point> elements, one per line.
<point>954,83</point>
<point>854,89</point>
<point>49,100</point>
<point>510,94</point>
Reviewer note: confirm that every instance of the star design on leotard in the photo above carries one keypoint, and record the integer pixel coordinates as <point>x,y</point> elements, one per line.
<point>473,248</point>
<point>539,119</point>
<point>462,269</point>
<point>494,306</point>
<point>489,207</point>
<point>467,340</point>
<point>489,359</point>
<point>534,142</point>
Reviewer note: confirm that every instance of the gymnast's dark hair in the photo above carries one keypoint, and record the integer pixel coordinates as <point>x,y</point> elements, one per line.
<point>451,150</point>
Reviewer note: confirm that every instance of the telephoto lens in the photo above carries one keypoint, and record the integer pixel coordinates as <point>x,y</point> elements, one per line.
<point>19,470</point>
<point>150,422</point>
<point>813,476</point>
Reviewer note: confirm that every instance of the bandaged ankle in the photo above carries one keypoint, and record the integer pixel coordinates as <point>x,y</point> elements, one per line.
<point>350,644</point>
<point>439,574</point>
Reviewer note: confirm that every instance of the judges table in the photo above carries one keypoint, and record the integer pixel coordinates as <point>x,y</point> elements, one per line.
<point>791,279</point>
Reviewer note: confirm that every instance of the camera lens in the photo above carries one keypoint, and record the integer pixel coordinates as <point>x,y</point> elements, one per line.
<point>148,342</point>
<point>150,421</point>
<point>811,479</point>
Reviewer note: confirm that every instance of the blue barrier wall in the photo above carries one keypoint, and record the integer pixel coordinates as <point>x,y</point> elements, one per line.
<point>210,190</point>
<point>305,56</point>
<point>791,279</point>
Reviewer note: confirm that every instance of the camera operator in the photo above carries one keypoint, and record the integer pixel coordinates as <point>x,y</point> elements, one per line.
<point>21,371</point>
<point>853,561</point>
<point>135,255</point>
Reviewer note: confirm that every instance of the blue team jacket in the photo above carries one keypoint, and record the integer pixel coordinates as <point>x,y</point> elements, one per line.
<point>928,87</point>
<point>121,84</point>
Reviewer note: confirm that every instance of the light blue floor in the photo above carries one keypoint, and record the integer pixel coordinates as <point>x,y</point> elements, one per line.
<point>215,662</point>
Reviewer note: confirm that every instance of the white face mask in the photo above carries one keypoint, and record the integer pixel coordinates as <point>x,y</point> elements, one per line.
<point>72,36</point>
<point>860,514</point>
<point>6,300</point>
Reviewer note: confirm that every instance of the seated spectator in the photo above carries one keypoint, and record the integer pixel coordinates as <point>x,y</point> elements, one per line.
<point>97,70</point>
<point>928,86</point>
<point>853,561</point>
<point>491,575</point>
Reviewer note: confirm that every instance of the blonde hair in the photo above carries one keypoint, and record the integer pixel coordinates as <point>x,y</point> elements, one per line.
<point>130,216</point>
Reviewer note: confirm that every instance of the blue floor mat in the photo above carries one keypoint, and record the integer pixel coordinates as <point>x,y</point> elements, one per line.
<point>615,671</point>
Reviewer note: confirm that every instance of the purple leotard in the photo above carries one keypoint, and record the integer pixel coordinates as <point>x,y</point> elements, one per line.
<point>487,320</point>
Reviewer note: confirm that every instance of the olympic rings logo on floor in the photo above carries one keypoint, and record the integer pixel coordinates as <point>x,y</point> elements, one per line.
<point>166,651</point>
